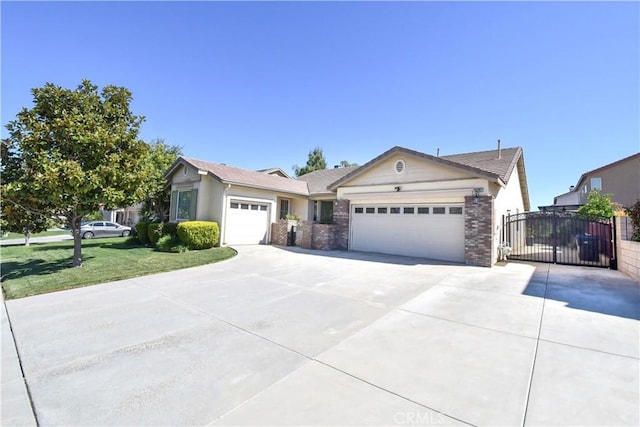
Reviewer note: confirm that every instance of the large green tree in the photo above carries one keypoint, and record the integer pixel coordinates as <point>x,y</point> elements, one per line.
<point>75,151</point>
<point>156,206</point>
<point>316,161</point>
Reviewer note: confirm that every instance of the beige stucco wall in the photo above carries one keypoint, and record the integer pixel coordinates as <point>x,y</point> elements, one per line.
<point>621,180</point>
<point>416,170</point>
<point>446,191</point>
<point>508,198</point>
<point>628,252</point>
<point>181,180</point>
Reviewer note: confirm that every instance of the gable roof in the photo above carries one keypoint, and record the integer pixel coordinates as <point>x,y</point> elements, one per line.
<point>319,181</point>
<point>275,171</point>
<point>601,168</point>
<point>243,177</point>
<point>476,165</point>
<point>484,164</point>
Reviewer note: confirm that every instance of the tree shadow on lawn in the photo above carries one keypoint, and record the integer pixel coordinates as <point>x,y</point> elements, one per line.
<point>124,246</point>
<point>85,245</point>
<point>18,269</point>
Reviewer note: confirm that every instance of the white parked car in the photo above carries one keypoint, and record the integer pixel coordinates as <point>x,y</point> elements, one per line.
<point>92,229</point>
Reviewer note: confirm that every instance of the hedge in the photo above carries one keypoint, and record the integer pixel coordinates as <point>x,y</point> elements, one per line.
<point>142,232</point>
<point>154,231</point>
<point>199,234</point>
<point>170,229</point>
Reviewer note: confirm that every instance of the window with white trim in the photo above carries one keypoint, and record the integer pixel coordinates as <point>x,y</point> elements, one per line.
<point>284,208</point>
<point>184,205</point>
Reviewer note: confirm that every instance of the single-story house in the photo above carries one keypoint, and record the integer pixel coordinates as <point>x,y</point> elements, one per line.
<point>402,202</point>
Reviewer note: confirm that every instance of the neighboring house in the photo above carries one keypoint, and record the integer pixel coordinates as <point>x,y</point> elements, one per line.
<point>621,179</point>
<point>402,202</point>
<point>124,216</point>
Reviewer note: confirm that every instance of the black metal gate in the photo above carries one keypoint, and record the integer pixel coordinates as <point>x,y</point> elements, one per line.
<point>560,238</point>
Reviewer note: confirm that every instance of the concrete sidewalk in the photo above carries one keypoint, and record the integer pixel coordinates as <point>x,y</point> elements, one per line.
<point>282,336</point>
<point>45,239</point>
<point>16,406</point>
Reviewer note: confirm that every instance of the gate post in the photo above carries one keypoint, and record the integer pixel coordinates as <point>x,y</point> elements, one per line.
<point>613,260</point>
<point>554,236</point>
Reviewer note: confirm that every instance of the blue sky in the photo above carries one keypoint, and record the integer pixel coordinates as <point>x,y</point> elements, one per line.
<point>258,85</point>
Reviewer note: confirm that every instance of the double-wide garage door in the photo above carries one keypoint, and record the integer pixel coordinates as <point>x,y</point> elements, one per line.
<point>247,223</point>
<point>426,231</point>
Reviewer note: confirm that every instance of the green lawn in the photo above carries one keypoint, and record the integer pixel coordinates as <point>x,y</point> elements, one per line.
<point>46,267</point>
<point>43,234</point>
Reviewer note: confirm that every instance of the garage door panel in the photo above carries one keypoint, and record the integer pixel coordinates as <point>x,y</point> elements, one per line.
<point>247,223</point>
<point>429,235</point>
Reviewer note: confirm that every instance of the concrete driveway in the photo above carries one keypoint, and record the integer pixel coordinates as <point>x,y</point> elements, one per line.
<point>294,337</point>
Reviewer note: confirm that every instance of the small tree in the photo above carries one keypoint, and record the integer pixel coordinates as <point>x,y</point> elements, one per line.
<point>346,164</point>
<point>155,207</point>
<point>75,151</point>
<point>316,161</point>
<point>20,218</point>
<point>598,205</point>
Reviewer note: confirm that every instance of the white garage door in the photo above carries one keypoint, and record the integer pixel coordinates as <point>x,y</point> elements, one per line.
<point>426,231</point>
<point>247,223</point>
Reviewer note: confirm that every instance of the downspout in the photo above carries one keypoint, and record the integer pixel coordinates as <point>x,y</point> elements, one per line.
<point>223,228</point>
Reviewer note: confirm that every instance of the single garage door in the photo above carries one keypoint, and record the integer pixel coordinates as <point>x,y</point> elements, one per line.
<point>247,223</point>
<point>425,231</point>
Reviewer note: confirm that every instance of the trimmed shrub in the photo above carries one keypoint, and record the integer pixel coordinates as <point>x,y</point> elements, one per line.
<point>154,231</point>
<point>199,234</point>
<point>142,232</point>
<point>170,243</point>
<point>170,229</point>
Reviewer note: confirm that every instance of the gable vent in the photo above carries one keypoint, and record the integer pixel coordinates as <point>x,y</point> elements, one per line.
<point>400,166</point>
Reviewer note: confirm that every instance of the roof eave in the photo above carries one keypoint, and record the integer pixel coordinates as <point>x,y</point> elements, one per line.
<point>263,187</point>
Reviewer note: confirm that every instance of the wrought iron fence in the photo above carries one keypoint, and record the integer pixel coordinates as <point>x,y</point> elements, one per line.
<point>560,238</point>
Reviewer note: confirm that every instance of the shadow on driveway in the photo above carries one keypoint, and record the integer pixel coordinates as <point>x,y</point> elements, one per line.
<point>588,288</point>
<point>369,256</point>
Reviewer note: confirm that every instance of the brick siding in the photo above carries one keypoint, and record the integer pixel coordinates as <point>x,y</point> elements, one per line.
<point>279,232</point>
<point>478,231</point>
<point>325,237</point>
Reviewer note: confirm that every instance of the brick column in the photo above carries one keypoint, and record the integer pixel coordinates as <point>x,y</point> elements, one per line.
<point>341,210</point>
<point>478,231</point>
<point>279,233</point>
<point>307,235</point>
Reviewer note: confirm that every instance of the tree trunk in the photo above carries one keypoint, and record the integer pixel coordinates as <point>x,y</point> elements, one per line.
<point>77,242</point>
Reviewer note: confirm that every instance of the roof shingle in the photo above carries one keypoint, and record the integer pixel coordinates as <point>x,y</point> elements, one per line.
<point>488,161</point>
<point>245,177</point>
<point>319,180</point>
